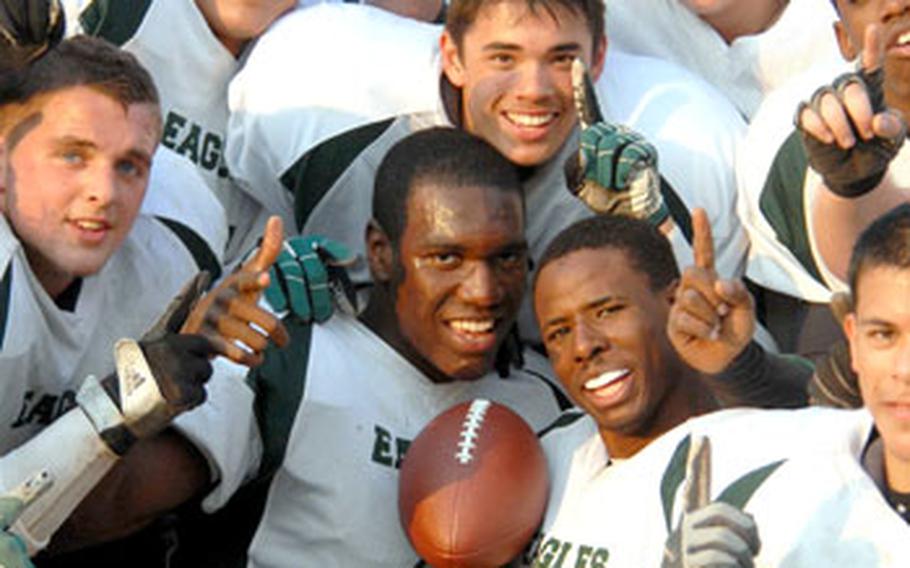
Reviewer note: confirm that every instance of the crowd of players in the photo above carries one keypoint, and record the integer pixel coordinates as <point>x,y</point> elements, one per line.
<point>727,227</point>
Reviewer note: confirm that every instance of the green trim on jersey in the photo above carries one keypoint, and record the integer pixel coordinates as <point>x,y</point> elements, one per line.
<point>316,172</point>
<point>196,245</point>
<point>6,288</point>
<point>673,476</point>
<point>737,493</point>
<point>115,20</point>
<point>781,202</point>
<point>278,384</point>
<point>564,420</point>
<point>678,210</point>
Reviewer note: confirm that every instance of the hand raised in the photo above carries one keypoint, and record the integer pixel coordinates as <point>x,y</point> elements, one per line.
<point>712,319</point>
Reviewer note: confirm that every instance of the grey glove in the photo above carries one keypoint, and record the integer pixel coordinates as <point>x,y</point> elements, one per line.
<point>159,377</point>
<point>858,170</point>
<point>716,535</point>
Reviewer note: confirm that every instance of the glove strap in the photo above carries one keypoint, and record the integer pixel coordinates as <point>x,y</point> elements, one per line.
<point>145,409</point>
<point>104,415</point>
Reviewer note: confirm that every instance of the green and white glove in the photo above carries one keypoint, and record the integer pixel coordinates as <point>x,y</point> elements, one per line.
<point>615,169</point>
<point>13,552</point>
<point>309,276</point>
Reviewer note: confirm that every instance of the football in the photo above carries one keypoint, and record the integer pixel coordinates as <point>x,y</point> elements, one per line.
<point>473,487</point>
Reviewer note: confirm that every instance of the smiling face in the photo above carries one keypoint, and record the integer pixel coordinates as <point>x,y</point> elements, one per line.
<point>879,333</point>
<point>463,266</point>
<point>604,330</point>
<point>513,69</point>
<point>72,182</point>
<point>894,18</point>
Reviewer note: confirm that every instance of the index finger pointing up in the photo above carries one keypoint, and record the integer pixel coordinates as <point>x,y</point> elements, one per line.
<point>702,240</point>
<point>272,238</point>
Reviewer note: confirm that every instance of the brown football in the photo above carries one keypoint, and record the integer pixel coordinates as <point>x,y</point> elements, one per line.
<point>473,486</point>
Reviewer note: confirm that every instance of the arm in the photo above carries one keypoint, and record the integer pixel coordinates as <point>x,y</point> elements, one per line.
<point>711,324</point>
<point>120,424</point>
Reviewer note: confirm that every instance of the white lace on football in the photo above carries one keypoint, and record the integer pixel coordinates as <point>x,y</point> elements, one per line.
<point>470,429</point>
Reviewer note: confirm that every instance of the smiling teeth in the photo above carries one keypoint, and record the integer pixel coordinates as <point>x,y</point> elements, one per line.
<point>530,119</point>
<point>90,225</point>
<point>903,38</point>
<point>472,326</point>
<point>605,379</point>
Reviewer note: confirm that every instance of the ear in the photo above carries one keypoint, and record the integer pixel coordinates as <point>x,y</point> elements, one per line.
<point>850,331</point>
<point>599,59</point>
<point>4,173</point>
<point>669,293</point>
<point>847,50</point>
<point>451,60</point>
<point>380,255</point>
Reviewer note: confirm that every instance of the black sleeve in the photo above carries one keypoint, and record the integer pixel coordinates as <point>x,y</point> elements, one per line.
<point>761,379</point>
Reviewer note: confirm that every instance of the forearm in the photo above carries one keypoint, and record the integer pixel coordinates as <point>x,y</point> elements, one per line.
<point>761,379</point>
<point>850,216</point>
<point>156,476</point>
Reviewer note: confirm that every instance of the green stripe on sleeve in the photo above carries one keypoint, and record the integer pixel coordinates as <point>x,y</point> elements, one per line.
<point>115,20</point>
<point>781,202</point>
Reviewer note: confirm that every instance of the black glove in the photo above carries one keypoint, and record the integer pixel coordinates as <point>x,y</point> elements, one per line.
<point>854,171</point>
<point>28,28</point>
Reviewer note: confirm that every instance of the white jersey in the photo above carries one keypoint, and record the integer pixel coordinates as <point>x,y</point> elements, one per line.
<point>745,70</point>
<point>312,156</point>
<point>777,189</point>
<point>797,472</point>
<point>192,70</point>
<point>381,65</point>
<point>46,351</point>
<point>333,502</point>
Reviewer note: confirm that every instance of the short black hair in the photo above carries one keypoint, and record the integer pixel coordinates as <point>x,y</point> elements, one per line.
<point>443,156</point>
<point>646,247</point>
<point>886,242</point>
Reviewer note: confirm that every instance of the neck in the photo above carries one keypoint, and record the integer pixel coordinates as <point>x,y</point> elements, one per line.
<point>897,472</point>
<point>380,317</point>
<point>687,398</point>
<point>52,279</point>
<point>745,18</point>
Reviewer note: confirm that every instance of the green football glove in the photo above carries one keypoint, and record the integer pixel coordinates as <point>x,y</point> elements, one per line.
<point>13,553</point>
<point>309,276</point>
<point>615,169</point>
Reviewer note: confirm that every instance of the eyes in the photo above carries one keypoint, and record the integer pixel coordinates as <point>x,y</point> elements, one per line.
<point>130,168</point>
<point>452,260</point>
<point>504,60</point>
<point>604,312</point>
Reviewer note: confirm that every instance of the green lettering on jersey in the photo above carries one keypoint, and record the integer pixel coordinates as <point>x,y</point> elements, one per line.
<point>382,446</point>
<point>553,553</point>
<point>191,140</point>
